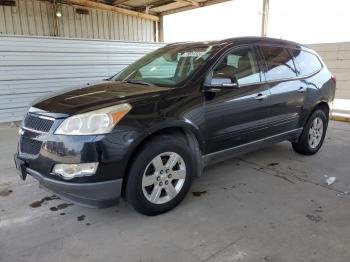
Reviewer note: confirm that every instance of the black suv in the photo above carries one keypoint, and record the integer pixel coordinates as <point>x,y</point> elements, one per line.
<point>146,132</point>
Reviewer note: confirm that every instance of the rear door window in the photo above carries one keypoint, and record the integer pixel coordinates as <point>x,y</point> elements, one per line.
<point>279,63</point>
<point>305,62</point>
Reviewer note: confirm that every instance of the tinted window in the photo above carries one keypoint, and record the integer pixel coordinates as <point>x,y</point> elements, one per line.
<point>279,63</point>
<point>306,62</point>
<point>240,65</point>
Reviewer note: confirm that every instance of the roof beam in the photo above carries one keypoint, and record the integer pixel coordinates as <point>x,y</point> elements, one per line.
<point>169,3</point>
<point>159,3</point>
<point>95,5</point>
<point>118,2</point>
<point>191,2</point>
<point>156,4</point>
<point>189,7</point>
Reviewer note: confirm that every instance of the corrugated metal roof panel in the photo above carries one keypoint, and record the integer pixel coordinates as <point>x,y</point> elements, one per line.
<point>33,17</point>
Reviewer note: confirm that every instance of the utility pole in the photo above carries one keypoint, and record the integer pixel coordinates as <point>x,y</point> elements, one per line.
<point>265,18</point>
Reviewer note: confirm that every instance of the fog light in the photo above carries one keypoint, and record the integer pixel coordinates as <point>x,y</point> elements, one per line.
<point>69,171</point>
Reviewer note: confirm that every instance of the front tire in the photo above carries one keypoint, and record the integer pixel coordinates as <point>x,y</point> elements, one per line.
<point>160,175</point>
<point>312,137</point>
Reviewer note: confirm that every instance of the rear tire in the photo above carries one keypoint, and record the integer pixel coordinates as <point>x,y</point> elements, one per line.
<point>312,137</point>
<point>160,175</point>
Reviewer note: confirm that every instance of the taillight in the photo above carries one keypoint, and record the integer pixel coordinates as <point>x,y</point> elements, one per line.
<point>334,79</point>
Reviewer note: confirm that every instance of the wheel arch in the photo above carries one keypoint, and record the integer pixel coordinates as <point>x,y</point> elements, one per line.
<point>322,104</point>
<point>185,131</point>
<point>325,106</point>
<point>300,144</point>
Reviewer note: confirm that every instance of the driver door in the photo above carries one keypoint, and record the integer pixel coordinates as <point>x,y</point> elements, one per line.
<point>241,114</point>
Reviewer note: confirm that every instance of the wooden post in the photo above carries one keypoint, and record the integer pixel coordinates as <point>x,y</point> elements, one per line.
<point>265,18</point>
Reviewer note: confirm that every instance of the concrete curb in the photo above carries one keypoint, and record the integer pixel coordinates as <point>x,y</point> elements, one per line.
<point>341,118</point>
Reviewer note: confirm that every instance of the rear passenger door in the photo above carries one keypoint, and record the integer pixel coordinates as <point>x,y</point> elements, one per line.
<point>287,92</point>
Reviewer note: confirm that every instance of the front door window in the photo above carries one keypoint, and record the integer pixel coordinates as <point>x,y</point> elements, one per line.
<point>240,66</point>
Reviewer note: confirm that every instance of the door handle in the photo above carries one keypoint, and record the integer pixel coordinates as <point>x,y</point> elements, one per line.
<point>261,96</point>
<point>302,89</point>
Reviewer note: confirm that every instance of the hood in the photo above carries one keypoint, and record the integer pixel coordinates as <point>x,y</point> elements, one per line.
<point>93,97</point>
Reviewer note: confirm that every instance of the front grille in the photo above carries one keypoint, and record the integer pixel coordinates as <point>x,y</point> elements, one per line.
<point>37,123</point>
<point>30,146</point>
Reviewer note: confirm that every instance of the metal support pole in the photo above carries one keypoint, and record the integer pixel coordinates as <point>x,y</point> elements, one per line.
<point>161,29</point>
<point>55,19</point>
<point>156,31</point>
<point>265,18</point>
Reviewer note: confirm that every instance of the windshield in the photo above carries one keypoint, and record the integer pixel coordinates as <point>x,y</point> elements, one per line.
<point>168,66</point>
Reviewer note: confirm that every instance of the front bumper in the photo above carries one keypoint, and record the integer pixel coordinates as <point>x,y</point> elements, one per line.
<point>39,150</point>
<point>96,194</point>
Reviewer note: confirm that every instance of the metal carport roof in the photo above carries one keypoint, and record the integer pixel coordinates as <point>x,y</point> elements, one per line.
<point>150,9</point>
<point>156,9</point>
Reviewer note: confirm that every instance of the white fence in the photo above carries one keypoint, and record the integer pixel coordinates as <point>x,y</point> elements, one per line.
<point>337,58</point>
<point>34,66</point>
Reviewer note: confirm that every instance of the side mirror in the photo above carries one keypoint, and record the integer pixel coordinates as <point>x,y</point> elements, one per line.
<point>221,83</point>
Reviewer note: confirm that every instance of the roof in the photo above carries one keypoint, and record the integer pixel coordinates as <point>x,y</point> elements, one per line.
<point>257,39</point>
<point>243,40</point>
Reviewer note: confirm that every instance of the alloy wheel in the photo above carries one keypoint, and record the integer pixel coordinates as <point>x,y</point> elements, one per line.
<point>164,177</point>
<point>315,132</point>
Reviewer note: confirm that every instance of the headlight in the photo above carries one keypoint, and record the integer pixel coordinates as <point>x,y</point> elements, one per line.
<point>95,122</point>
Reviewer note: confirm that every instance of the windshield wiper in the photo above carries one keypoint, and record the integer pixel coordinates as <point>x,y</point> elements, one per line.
<point>138,82</point>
